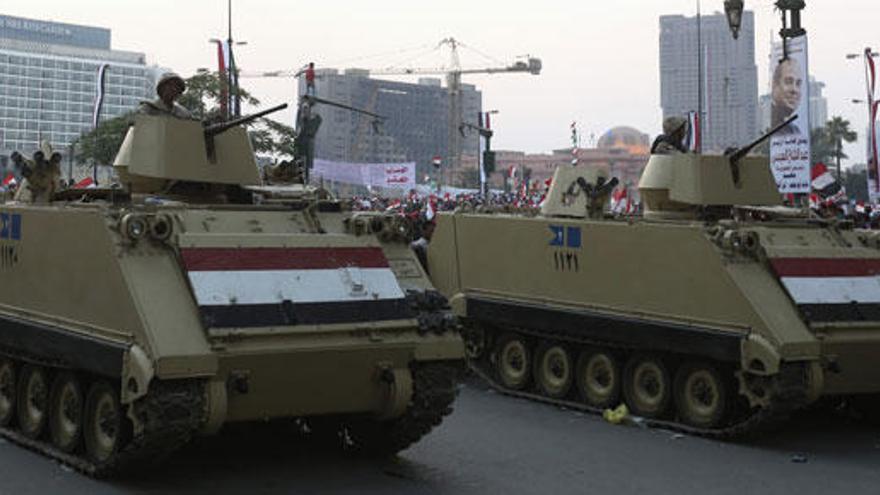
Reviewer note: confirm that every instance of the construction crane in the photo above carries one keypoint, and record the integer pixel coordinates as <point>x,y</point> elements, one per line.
<point>453,73</point>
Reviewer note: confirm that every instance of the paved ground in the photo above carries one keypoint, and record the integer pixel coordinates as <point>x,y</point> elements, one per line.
<point>495,444</point>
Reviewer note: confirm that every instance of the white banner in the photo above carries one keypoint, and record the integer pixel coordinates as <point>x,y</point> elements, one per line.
<point>789,90</point>
<point>386,175</point>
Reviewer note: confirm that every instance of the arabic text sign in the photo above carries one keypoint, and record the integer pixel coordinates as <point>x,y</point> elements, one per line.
<point>387,175</point>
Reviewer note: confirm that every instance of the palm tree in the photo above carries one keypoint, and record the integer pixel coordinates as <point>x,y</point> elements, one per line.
<point>837,129</point>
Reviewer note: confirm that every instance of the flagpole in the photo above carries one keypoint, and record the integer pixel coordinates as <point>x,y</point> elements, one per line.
<point>699,135</point>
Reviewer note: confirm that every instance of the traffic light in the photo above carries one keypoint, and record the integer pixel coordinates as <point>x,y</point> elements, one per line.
<point>489,161</point>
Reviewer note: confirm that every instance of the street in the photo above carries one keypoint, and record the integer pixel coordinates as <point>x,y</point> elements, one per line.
<point>497,444</point>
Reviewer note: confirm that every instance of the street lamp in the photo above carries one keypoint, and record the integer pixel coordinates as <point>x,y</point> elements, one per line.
<point>734,11</point>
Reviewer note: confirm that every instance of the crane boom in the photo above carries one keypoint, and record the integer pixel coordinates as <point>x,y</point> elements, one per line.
<point>453,75</point>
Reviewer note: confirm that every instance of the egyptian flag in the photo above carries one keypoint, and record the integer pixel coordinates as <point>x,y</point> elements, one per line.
<point>835,289</point>
<point>826,186</point>
<point>99,94</point>
<point>86,183</point>
<point>222,65</point>
<point>271,287</point>
<point>871,71</point>
<point>481,150</point>
<point>9,180</point>
<point>620,201</point>
<point>692,140</point>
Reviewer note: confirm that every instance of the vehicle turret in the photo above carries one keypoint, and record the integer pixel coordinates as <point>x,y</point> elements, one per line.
<point>684,185</point>
<point>160,150</point>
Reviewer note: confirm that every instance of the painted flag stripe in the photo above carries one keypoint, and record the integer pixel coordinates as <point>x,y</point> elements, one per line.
<point>833,290</point>
<point>216,288</point>
<point>288,314</point>
<point>826,267</point>
<point>225,259</point>
<point>826,313</point>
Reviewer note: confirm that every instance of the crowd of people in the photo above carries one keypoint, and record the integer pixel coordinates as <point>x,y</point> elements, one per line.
<point>416,204</point>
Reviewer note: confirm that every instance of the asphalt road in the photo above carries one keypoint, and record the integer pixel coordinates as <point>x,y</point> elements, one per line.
<point>494,444</point>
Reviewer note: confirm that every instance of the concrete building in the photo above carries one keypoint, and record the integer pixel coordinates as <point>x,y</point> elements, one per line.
<point>730,77</point>
<point>416,128</point>
<point>48,74</point>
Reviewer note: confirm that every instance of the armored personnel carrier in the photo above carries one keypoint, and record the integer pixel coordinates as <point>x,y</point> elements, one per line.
<point>132,319</point>
<point>701,315</point>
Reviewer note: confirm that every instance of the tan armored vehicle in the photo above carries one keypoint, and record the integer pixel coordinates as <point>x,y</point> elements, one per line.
<point>132,319</point>
<point>701,315</point>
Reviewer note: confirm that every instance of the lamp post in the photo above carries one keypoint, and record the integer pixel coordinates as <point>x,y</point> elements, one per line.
<point>733,9</point>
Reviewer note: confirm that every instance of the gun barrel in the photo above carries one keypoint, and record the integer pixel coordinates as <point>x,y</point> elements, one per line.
<point>215,129</point>
<point>741,153</point>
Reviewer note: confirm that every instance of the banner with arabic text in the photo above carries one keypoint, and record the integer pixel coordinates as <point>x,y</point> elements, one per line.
<point>386,175</point>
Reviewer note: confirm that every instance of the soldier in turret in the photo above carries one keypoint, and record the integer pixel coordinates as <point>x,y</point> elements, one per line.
<point>169,88</point>
<point>672,140</point>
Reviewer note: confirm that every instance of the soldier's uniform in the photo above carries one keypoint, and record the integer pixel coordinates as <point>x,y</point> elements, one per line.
<point>159,107</point>
<point>670,142</point>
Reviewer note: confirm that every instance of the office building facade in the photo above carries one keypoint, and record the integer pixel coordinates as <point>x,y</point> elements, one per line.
<point>416,124</point>
<point>48,75</point>
<point>730,77</point>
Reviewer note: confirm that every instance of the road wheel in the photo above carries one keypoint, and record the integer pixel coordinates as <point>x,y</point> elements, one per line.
<point>66,411</point>
<point>598,378</point>
<point>512,361</point>
<point>553,370</point>
<point>102,426</point>
<point>7,392</point>
<point>646,387</point>
<point>700,395</point>
<point>33,401</point>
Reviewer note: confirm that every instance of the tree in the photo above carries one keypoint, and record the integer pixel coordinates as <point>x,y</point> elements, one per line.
<point>856,184</point>
<point>202,98</point>
<point>821,147</point>
<point>838,131</point>
<point>101,144</point>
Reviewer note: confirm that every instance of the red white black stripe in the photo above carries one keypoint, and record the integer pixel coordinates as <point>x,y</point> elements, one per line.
<point>99,94</point>
<point>832,289</point>
<point>251,287</point>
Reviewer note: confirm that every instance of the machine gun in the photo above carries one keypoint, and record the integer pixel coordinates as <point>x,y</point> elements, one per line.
<point>219,128</point>
<point>735,155</point>
<point>214,129</point>
<point>596,194</point>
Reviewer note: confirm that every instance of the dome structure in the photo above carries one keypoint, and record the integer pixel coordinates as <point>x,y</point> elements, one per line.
<point>627,138</point>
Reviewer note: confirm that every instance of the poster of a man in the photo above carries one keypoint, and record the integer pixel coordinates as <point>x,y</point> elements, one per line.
<point>788,82</point>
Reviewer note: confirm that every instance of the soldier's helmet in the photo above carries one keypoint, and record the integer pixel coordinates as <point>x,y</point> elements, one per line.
<point>170,78</point>
<point>673,125</point>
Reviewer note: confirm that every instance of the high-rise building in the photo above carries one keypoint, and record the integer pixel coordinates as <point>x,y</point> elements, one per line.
<point>48,74</point>
<point>416,127</point>
<point>818,104</point>
<point>730,77</point>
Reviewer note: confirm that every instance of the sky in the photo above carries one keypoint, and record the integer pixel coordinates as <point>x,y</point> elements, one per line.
<point>600,57</point>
